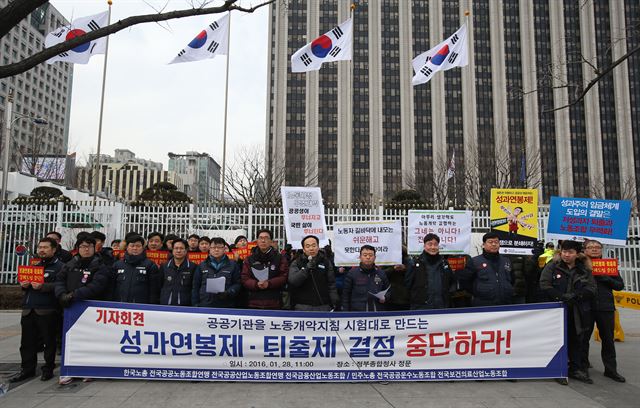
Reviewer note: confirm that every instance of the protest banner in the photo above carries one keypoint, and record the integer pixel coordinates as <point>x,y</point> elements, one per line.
<point>158,257</point>
<point>514,217</point>
<point>197,257</point>
<point>578,219</point>
<point>303,215</point>
<point>457,263</point>
<point>384,236</point>
<point>31,273</point>
<point>167,342</point>
<point>604,267</point>
<point>34,261</point>
<point>453,227</point>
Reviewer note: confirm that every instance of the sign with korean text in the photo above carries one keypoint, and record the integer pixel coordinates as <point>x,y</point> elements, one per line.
<point>452,227</point>
<point>197,257</point>
<point>604,267</point>
<point>514,217</point>
<point>158,257</point>
<point>31,273</point>
<point>457,263</point>
<point>384,236</point>
<point>581,218</point>
<point>303,215</point>
<point>165,342</point>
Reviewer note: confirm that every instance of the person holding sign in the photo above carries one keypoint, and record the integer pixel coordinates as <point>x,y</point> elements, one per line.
<point>155,241</point>
<point>177,276</point>
<point>264,274</point>
<point>193,243</point>
<point>312,282</point>
<point>137,279</point>
<point>429,278</point>
<point>216,281</point>
<point>603,313</point>
<point>40,315</point>
<point>366,287</point>
<point>568,279</point>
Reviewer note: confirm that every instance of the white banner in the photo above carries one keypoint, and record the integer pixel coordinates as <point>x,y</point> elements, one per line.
<point>452,226</point>
<point>182,343</point>
<point>384,236</point>
<point>303,214</point>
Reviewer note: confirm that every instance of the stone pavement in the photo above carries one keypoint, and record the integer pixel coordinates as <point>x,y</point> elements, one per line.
<point>490,394</point>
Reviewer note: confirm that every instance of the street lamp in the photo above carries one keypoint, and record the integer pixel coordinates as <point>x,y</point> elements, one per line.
<point>9,121</point>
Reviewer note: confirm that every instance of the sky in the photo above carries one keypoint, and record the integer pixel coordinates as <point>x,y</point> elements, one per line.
<point>153,108</point>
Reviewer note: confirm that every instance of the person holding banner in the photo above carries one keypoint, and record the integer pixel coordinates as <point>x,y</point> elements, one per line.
<point>193,241</point>
<point>429,278</point>
<point>40,315</point>
<point>155,241</point>
<point>264,274</point>
<point>216,281</point>
<point>603,314</point>
<point>177,276</point>
<point>312,281</point>
<point>568,279</point>
<point>137,279</point>
<point>366,287</point>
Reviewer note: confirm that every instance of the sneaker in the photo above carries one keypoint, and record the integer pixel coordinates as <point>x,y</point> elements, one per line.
<point>581,376</point>
<point>65,380</point>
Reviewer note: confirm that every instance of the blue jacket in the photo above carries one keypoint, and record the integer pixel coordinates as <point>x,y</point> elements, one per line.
<point>44,298</point>
<point>177,282</point>
<point>137,280</point>
<point>209,269</point>
<point>359,284</point>
<point>489,278</point>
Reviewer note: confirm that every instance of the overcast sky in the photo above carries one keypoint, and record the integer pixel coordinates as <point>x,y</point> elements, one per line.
<point>153,108</point>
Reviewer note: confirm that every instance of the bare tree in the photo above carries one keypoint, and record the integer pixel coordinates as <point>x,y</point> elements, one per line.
<point>35,159</point>
<point>627,191</point>
<point>18,10</point>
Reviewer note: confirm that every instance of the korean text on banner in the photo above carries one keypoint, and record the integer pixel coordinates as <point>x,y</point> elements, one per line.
<point>384,236</point>
<point>604,267</point>
<point>452,227</point>
<point>166,342</point>
<point>581,218</point>
<point>31,273</point>
<point>514,217</point>
<point>303,215</point>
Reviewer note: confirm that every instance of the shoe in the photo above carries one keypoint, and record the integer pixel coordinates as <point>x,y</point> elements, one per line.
<point>65,380</point>
<point>46,375</point>
<point>581,376</point>
<point>562,381</point>
<point>22,376</point>
<point>615,376</point>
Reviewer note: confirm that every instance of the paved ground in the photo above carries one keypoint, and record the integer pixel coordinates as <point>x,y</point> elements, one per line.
<point>491,394</point>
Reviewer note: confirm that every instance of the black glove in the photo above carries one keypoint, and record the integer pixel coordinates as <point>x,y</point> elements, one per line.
<point>569,298</point>
<point>312,264</point>
<point>65,300</point>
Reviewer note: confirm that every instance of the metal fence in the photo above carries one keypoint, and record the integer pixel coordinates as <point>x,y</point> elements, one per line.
<point>22,226</point>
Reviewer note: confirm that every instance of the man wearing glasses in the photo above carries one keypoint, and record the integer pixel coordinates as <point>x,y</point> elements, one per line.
<point>216,267</point>
<point>264,274</point>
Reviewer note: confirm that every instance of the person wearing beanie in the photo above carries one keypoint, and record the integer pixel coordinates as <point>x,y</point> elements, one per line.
<point>136,279</point>
<point>429,278</point>
<point>363,282</point>
<point>568,279</point>
<point>240,242</point>
<point>489,276</point>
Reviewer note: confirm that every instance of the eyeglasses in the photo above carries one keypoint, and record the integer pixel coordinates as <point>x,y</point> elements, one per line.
<point>85,246</point>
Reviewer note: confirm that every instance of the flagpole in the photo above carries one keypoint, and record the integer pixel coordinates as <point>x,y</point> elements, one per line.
<point>226,100</point>
<point>96,169</point>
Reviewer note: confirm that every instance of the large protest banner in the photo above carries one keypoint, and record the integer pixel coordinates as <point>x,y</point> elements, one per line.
<point>168,342</point>
<point>514,217</point>
<point>303,214</point>
<point>453,227</point>
<point>384,236</point>
<point>579,218</point>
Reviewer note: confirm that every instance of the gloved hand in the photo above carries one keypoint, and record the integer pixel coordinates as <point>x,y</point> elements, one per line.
<point>569,298</point>
<point>312,264</point>
<point>65,300</point>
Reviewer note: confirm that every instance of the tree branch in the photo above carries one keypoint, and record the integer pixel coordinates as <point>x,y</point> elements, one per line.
<point>15,12</point>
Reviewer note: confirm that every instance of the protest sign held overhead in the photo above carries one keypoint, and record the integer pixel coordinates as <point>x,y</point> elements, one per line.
<point>453,227</point>
<point>384,236</point>
<point>303,214</point>
<point>514,217</point>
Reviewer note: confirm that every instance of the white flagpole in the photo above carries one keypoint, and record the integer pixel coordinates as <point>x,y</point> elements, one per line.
<point>96,169</point>
<point>226,100</point>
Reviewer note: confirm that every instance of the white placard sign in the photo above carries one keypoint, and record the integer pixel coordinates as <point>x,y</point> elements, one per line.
<point>385,236</point>
<point>303,214</point>
<point>452,226</point>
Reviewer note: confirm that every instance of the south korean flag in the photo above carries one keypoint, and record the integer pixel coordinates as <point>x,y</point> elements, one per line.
<point>452,52</point>
<point>80,26</point>
<point>211,41</point>
<point>334,45</point>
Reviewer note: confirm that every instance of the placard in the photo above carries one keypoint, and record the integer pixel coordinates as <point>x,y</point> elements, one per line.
<point>34,274</point>
<point>157,257</point>
<point>384,236</point>
<point>303,215</point>
<point>604,267</point>
<point>197,257</point>
<point>453,227</point>
<point>514,217</point>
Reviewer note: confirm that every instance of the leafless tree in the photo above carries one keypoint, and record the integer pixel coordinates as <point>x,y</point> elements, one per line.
<point>627,191</point>
<point>35,159</point>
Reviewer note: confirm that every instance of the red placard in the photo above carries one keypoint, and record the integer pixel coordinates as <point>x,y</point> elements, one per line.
<point>243,253</point>
<point>30,273</point>
<point>457,263</point>
<point>118,253</point>
<point>158,257</point>
<point>197,257</point>
<point>34,261</point>
<point>604,267</point>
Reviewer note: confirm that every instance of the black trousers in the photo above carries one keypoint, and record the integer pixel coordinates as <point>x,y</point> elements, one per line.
<point>575,346</point>
<point>36,328</point>
<point>606,325</point>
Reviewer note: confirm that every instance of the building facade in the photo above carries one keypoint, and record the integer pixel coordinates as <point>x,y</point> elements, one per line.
<point>44,91</point>
<point>200,174</point>
<point>368,133</point>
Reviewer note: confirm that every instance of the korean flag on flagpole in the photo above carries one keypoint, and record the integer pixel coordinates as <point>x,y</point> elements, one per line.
<point>452,52</point>
<point>78,27</point>
<point>334,45</point>
<point>211,41</point>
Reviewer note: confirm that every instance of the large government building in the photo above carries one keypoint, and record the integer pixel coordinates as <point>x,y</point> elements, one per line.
<point>360,131</point>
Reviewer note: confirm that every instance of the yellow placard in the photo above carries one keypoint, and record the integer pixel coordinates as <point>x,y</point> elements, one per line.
<point>630,300</point>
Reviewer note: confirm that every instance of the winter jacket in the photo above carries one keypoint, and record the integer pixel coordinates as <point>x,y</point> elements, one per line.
<point>87,279</point>
<point>209,269</point>
<point>605,285</point>
<point>136,280</point>
<point>430,281</point>
<point>489,278</point>
<point>63,255</point>
<point>276,264</point>
<point>312,283</point>
<point>44,298</point>
<point>360,285</point>
<point>177,282</point>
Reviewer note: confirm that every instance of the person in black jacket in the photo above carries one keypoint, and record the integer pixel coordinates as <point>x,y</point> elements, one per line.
<point>429,278</point>
<point>603,314</point>
<point>40,315</point>
<point>137,279</point>
<point>61,253</point>
<point>102,251</point>
<point>363,283</point>
<point>177,276</point>
<point>217,265</point>
<point>312,282</point>
<point>488,277</point>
